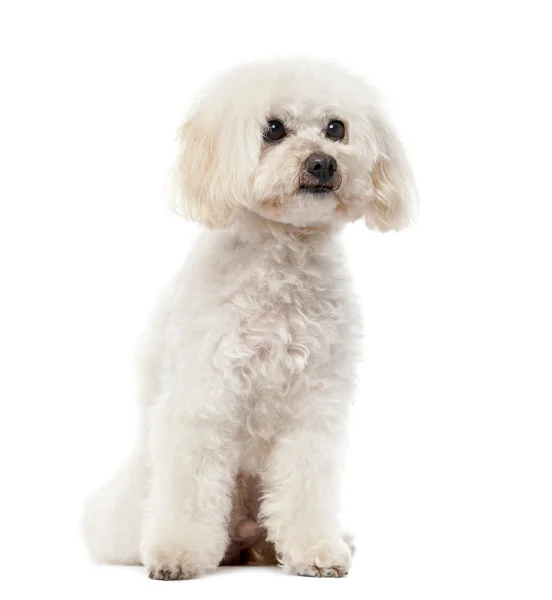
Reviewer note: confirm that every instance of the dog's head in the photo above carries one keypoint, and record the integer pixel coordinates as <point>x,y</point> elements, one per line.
<point>303,143</point>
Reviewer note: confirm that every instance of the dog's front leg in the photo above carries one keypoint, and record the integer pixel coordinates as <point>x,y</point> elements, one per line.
<point>301,501</point>
<point>194,460</point>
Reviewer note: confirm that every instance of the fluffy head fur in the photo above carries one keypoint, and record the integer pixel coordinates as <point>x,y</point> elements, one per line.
<point>226,168</point>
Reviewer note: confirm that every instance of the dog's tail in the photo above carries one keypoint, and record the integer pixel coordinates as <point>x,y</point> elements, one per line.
<point>112,519</point>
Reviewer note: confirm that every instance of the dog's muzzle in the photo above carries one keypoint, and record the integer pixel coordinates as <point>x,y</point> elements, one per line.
<point>319,174</point>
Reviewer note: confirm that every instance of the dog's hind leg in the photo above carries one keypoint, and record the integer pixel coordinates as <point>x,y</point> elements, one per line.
<point>112,519</point>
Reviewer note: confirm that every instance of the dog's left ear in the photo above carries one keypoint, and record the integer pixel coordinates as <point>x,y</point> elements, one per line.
<point>393,203</point>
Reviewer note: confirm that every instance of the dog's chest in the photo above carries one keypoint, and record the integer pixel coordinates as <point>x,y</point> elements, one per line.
<point>288,312</point>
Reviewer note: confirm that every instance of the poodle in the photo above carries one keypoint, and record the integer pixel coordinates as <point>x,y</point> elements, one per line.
<point>247,369</point>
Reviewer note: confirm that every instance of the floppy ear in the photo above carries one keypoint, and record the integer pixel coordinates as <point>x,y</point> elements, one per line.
<point>218,154</point>
<point>394,200</point>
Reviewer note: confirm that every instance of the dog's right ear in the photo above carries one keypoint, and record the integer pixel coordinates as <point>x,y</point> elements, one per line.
<point>218,154</point>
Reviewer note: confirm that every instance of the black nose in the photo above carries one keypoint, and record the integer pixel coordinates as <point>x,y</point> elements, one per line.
<point>321,166</point>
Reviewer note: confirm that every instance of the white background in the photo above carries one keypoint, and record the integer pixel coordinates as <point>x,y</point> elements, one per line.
<point>449,473</point>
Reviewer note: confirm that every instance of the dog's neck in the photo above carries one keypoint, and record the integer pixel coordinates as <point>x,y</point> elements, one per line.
<point>253,228</point>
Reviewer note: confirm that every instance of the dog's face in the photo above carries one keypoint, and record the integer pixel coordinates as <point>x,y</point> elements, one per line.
<point>311,168</point>
<point>305,145</point>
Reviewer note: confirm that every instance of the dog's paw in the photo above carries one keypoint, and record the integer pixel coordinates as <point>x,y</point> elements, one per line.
<point>173,573</point>
<point>318,560</point>
<point>170,565</point>
<point>314,571</point>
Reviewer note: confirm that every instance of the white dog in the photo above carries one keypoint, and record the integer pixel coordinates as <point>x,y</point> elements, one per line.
<point>247,373</point>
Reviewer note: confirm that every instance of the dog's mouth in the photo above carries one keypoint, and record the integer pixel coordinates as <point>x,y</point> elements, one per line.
<point>317,190</point>
<point>310,185</point>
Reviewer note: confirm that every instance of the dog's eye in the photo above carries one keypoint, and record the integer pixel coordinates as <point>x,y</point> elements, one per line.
<point>335,131</point>
<point>274,131</point>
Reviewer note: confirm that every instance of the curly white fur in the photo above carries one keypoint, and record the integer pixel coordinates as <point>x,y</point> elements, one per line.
<point>249,362</point>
